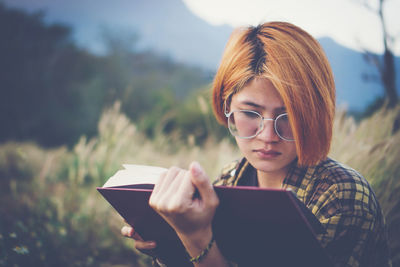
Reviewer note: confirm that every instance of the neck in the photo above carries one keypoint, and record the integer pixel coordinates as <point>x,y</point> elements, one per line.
<point>271,180</point>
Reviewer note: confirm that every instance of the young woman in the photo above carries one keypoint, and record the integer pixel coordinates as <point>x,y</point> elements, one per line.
<point>275,92</point>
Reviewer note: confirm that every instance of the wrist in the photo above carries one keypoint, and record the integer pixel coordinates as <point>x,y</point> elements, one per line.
<point>202,249</point>
<point>197,241</point>
<point>203,254</point>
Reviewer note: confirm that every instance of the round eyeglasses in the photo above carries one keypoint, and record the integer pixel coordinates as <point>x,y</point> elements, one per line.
<point>248,124</point>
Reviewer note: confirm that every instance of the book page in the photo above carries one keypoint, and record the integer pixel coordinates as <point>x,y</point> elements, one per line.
<point>135,174</point>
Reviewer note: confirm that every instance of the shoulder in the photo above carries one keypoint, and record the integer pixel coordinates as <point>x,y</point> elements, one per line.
<point>342,178</point>
<point>345,187</point>
<point>338,173</point>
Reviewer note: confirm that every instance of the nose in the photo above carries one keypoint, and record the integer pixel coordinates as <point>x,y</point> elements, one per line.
<point>268,133</point>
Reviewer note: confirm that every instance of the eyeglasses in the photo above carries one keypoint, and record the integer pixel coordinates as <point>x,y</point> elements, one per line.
<point>248,124</point>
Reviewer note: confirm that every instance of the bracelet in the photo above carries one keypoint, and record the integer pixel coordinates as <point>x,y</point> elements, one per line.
<point>204,253</point>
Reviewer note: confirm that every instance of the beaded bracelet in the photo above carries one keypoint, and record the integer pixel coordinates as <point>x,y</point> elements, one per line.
<point>204,253</point>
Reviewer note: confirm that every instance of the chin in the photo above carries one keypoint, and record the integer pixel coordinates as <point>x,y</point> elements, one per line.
<point>270,165</point>
<point>266,166</point>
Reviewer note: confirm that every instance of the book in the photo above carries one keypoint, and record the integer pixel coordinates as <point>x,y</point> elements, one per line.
<point>252,226</point>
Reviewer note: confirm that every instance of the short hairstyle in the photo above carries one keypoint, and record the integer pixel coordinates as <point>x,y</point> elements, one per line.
<point>297,66</point>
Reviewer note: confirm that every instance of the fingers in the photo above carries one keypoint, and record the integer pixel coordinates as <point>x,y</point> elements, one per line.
<point>200,180</point>
<point>174,184</point>
<point>176,187</point>
<point>163,184</point>
<point>140,244</point>
<point>145,245</point>
<point>174,198</point>
<point>163,197</point>
<point>128,231</point>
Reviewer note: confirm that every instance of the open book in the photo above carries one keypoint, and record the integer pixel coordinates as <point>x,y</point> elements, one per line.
<point>252,225</point>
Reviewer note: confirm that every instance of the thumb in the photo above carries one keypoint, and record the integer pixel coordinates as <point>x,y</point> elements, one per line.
<point>201,182</point>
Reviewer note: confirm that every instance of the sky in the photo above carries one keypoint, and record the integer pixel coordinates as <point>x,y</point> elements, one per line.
<point>348,22</point>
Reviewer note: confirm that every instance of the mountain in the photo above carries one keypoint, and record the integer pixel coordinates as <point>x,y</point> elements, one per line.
<point>349,67</point>
<point>170,28</point>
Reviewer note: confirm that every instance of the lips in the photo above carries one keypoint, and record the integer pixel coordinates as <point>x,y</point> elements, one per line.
<point>267,153</point>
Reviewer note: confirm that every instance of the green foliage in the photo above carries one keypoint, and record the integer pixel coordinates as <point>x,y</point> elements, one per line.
<point>52,92</point>
<point>46,222</point>
<point>43,77</point>
<point>191,121</point>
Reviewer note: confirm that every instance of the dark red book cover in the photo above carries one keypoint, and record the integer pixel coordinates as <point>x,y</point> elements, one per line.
<point>252,226</point>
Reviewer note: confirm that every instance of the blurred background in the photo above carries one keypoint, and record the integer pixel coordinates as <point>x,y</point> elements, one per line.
<point>86,86</point>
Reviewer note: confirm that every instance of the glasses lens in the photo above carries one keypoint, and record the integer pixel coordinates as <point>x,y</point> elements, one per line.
<point>244,123</point>
<point>282,127</point>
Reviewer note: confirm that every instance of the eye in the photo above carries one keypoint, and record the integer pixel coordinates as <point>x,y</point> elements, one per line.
<point>283,117</point>
<point>251,114</point>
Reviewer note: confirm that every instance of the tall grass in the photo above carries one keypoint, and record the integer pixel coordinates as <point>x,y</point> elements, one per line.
<point>50,205</point>
<point>120,142</point>
<point>373,148</point>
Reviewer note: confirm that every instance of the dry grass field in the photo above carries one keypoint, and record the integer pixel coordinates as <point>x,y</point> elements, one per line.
<point>51,213</point>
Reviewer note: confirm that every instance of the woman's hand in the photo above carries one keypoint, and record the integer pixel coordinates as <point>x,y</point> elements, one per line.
<point>187,201</point>
<point>140,244</point>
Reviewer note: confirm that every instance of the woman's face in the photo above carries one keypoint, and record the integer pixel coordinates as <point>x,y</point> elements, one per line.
<point>266,152</point>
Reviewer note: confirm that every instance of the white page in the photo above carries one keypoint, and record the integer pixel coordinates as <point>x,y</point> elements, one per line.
<point>135,174</point>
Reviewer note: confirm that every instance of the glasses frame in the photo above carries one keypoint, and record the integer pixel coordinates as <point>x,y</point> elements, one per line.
<point>261,128</point>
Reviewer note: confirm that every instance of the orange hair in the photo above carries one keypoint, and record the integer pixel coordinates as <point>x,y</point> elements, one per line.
<point>296,65</point>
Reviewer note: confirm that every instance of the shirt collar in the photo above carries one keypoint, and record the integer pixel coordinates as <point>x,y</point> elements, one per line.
<point>246,175</point>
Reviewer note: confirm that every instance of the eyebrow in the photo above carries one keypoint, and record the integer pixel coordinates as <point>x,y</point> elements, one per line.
<point>258,106</point>
<point>252,104</point>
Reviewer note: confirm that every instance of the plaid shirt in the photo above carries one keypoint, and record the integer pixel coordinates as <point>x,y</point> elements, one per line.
<point>341,199</point>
